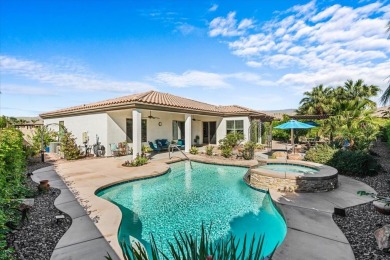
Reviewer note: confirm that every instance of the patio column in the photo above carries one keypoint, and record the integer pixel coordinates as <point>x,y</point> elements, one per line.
<point>137,143</point>
<point>188,133</point>
<point>259,137</point>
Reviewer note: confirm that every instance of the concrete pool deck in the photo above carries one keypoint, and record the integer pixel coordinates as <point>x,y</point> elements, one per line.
<point>312,234</point>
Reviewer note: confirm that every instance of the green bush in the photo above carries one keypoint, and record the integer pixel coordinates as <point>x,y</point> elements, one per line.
<point>227,151</point>
<point>188,246</point>
<point>358,163</point>
<point>249,150</point>
<point>36,138</point>
<point>209,150</point>
<point>194,150</point>
<point>231,140</point>
<point>386,133</point>
<point>320,154</point>
<point>138,161</point>
<point>347,162</point>
<point>12,181</point>
<point>69,146</point>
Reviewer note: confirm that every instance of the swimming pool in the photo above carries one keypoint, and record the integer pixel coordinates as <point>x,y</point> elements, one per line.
<point>184,198</point>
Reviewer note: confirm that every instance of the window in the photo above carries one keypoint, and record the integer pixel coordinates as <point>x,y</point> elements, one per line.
<point>178,130</point>
<point>129,130</point>
<point>234,126</point>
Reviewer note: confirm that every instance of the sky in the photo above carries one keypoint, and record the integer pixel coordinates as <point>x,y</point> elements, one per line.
<point>259,54</point>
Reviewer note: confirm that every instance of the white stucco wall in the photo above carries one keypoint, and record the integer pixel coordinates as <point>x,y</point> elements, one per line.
<point>93,124</point>
<point>221,130</point>
<point>111,126</point>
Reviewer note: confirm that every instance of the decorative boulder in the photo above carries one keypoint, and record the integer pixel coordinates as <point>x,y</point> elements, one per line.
<point>279,154</point>
<point>382,236</point>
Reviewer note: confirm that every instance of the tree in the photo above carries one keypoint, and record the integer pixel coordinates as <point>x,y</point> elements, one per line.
<point>349,108</point>
<point>69,146</point>
<point>385,98</point>
<point>48,136</point>
<point>358,91</point>
<point>317,101</point>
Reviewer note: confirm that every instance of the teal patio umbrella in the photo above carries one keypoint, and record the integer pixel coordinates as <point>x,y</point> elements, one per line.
<point>293,124</point>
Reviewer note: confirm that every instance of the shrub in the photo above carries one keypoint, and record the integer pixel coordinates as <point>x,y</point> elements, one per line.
<point>188,246</point>
<point>138,161</point>
<point>231,140</point>
<point>69,146</point>
<point>194,150</point>
<point>386,133</point>
<point>227,151</point>
<point>249,150</point>
<point>320,154</point>
<point>36,138</point>
<point>260,146</point>
<point>354,163</point>
<point>209,150</point>
<point>12,181</point>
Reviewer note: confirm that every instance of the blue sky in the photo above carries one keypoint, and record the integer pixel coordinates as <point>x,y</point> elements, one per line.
<point>259,54</point>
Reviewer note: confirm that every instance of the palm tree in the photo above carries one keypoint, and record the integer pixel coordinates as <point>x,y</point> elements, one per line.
<point>317,101</point>
<point>386,95</point>
<point>358,91</point>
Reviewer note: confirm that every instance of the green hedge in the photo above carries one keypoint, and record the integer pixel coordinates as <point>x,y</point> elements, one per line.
<point>347,162</point>
<point>354,163</point>
<point>320,154</point>
<point>386,133</point>
<point>12,181</point>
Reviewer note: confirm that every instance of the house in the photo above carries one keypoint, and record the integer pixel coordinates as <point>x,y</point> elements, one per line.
<point>152,115</point>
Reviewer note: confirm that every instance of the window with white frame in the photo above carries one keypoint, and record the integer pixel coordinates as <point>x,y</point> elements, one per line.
<point>235,126</point>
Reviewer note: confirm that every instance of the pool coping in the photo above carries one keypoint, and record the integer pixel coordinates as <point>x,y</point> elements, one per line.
<point>321,208</point>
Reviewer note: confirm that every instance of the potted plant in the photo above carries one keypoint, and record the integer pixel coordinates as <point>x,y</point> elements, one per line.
<point>381,203</point>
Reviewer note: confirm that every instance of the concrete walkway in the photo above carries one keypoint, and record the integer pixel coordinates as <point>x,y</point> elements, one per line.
<point>312,233</point>
<point>82,240</point>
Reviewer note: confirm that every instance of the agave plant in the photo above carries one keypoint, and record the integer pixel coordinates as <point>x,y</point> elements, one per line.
<point>187,246</point>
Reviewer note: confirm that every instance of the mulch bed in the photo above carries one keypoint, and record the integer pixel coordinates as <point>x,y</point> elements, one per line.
<point>39,235</point>
<point>361,221</point>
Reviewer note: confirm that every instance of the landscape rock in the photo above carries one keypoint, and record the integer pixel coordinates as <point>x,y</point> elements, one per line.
<point>382,236</point>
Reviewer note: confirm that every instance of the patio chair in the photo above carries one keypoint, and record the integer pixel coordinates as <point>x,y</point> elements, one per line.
<point>163,144</point>
<point>154,147</point>
<point>114,149</point>
<point>180,143</point>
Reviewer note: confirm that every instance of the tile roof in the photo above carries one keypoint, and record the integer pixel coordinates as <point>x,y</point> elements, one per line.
<point>153,98</point>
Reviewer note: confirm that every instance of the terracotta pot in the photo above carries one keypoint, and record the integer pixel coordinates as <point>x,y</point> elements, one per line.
<point>44,185</point>
<point>381,207</point>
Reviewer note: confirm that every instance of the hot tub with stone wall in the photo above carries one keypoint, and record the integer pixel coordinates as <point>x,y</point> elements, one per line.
<point>321,178</point>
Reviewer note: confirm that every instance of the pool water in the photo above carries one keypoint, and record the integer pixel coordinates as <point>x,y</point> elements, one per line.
<point>184,198</point>
<point>281,167</point>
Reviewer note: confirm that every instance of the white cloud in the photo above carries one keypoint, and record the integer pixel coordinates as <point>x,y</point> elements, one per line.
<point>213,8</point>
<point>185,28</point>
<point>320,45</point>
<point>192,78</point>
<point>254,64</point>
<point>26,90</point>
<point>337,75</point>
<point>208,80</point>
<point>73,76</point>
<point>326,13</point>
<point>228,27</point>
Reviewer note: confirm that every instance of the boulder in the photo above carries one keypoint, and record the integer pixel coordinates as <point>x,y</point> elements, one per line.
<point>382,236</point>
<point>279,154</point>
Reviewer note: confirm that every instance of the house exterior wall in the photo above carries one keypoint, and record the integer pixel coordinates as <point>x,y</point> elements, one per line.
<point>221,130</point>
<point>93,124</point>
<point>111,126</point>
